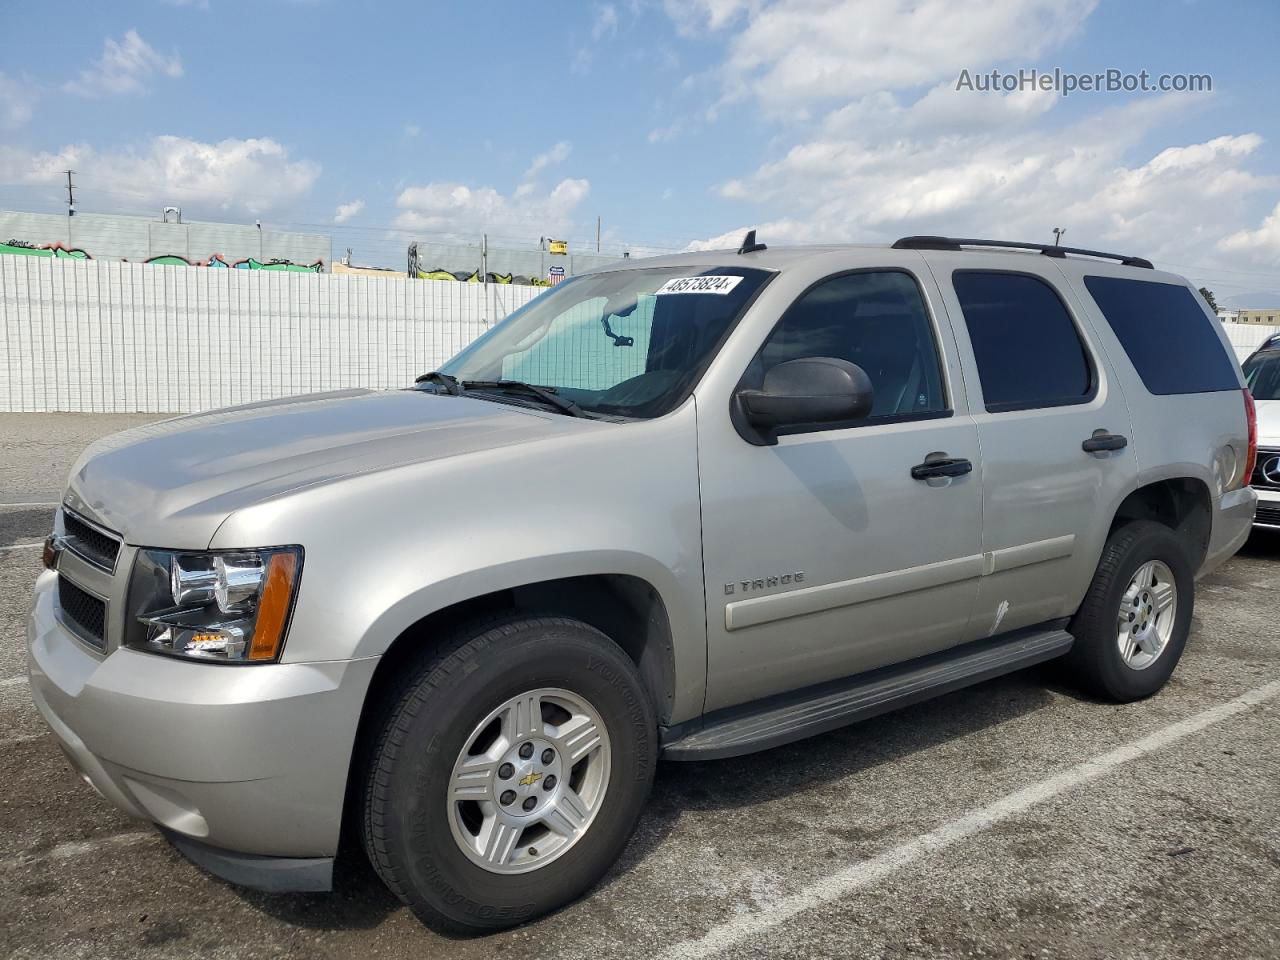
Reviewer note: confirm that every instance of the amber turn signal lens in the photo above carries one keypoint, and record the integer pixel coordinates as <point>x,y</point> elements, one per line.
<point>273,608</point>
<point>49,555</point>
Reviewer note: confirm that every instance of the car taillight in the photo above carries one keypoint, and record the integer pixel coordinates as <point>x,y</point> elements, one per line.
<point>1251,455</point>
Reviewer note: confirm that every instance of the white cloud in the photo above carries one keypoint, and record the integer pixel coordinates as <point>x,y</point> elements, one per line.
<point>606,21</point>
<point>124,66</point>
<point>346,211</point>
<point>877,142</point>
<point>1173,205</point>
<point>454,208</point>
<point>556,155</point>
<point>691,16</point>
<point>412,130</point>
<point>667,132</point>
<point>16,101</point>
<point>249,176</point>
<point>797,51</point>
<point>1261,245</point>
<point>940,112</point>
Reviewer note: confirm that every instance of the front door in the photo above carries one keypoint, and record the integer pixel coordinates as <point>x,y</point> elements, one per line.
<point>823,555</point>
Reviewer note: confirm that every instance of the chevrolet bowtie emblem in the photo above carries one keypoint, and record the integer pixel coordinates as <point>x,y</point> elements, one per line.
<point>529,779</point>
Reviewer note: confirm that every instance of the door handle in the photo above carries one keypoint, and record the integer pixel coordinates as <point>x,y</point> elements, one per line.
<point>1101,440</point>
<point>943,467</point>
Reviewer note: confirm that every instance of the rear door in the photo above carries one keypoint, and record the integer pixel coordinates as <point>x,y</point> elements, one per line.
<point>1054,431</point>
<point>1182,382</point>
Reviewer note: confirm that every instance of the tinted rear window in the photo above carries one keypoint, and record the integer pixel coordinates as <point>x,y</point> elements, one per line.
<point>1028,351</point>
<point>1167,335</point>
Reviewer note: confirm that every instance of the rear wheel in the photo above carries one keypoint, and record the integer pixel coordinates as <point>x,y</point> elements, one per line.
<point>1132,626</point>
<point>509,773</point>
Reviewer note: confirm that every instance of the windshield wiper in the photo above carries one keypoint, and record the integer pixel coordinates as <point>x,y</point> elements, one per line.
<point>450,384</point>
<point>567,407</point>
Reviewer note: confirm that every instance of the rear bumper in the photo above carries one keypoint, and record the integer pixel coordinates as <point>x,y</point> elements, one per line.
<point>1232,521</point>
<point>235,764</point>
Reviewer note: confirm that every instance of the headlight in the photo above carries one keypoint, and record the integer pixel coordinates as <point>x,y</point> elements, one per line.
<point>229,607</point>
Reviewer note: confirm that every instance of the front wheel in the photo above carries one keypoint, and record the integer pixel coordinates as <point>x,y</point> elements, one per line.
<point>509,773</point>
<point>1132,626</point>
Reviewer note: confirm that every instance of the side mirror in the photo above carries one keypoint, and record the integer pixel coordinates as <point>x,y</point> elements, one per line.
<point>808,390</point>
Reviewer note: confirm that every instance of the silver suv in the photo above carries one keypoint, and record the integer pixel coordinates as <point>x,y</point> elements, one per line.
<point>693,506</point>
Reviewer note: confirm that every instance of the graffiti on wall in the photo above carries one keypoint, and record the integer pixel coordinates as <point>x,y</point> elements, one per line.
<point>416,271</point>
<point>57,250</point>
<point>61,252</point>
<point>248,263</point>
<point>474,277</point>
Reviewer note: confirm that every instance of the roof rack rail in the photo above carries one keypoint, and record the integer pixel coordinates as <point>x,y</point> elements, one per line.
<point>1049,250</point>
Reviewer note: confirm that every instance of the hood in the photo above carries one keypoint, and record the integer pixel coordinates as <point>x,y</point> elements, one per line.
<point>1268,422</point>
<point>172,483</point>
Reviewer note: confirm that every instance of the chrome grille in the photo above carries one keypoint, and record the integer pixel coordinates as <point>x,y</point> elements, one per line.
<point>1268,513</point>
<point>83,613</point>
<point>90,542</point>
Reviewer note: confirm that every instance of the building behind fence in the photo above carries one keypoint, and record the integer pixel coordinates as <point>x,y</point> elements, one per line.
<point>114,337</point>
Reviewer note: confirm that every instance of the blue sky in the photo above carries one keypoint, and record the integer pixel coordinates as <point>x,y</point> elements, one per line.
<point>677,122</point>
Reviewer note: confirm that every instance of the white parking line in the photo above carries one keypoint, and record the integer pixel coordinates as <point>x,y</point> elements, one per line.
<point>867,872</point>
<point>42,503</point>
<point>24,546</point>
<point>12,681</point>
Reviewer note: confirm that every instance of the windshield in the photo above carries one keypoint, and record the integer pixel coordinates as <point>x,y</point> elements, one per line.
<point>1262,376</point>
<point>627,343</point>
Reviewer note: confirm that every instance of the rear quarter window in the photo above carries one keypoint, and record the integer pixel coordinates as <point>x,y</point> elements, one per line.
<point>1169,338</point>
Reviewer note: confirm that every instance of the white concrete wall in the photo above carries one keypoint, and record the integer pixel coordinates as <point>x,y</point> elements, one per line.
<point>96,336</point>
<point>1247,337</point>
<point>111,337</point>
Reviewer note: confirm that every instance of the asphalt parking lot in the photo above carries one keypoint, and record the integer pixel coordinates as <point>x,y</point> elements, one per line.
<point>1012,819</point>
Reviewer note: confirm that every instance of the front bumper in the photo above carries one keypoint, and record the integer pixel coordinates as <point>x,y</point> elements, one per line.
<point>235,763</point>
<point>1268,513</point>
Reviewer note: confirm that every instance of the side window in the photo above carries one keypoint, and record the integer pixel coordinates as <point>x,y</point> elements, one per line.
<point>1028,350</point>
<point>1167,335</point>
<point>876,320</point>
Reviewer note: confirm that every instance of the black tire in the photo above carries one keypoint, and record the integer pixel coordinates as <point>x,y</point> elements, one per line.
<point>436,707</point>
<point>1095,660</point>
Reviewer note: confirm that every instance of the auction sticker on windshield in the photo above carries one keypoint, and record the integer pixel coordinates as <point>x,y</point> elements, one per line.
<point>698,285</point>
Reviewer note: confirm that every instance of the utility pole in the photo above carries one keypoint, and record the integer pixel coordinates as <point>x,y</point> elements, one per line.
<point>597,234</point>
<point>484,277</point>
<point>71,197</point>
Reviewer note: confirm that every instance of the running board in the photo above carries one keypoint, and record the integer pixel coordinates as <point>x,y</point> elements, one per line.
<point>813,710</point>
